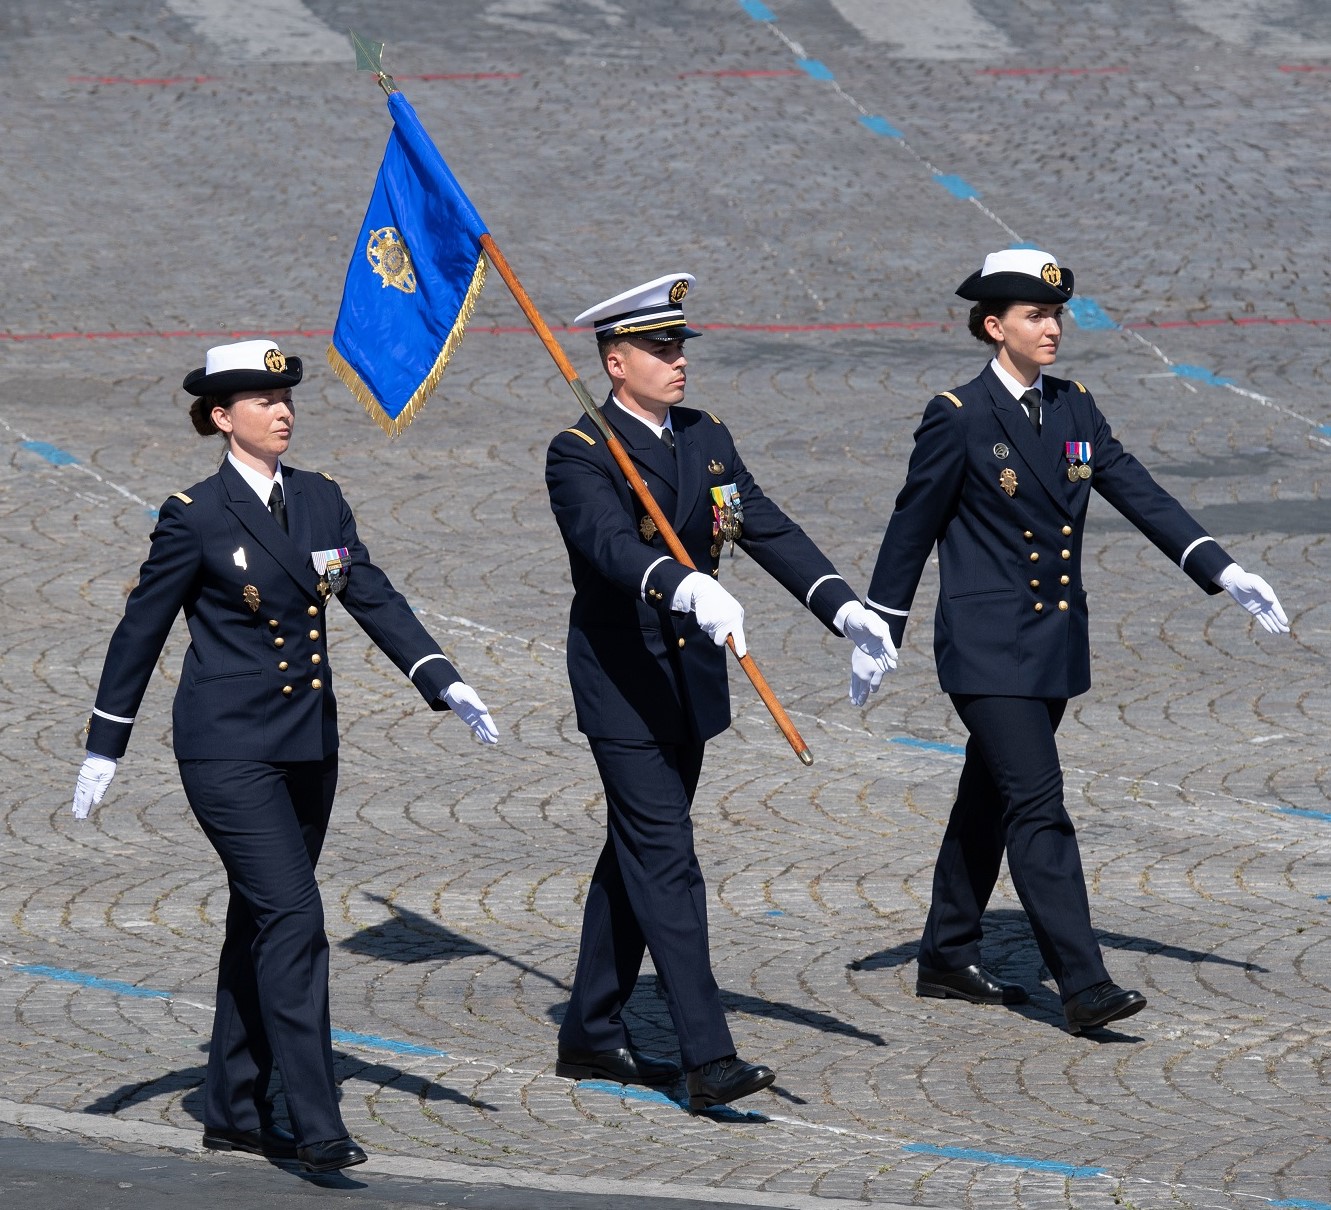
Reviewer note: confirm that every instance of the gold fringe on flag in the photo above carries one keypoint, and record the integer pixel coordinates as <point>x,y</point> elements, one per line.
<point>394,427</point>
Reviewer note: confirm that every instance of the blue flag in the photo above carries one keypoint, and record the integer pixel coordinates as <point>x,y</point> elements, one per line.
<point>416,272</point>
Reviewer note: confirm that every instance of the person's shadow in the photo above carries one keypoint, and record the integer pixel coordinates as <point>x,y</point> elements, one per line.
<point>1009,949</point>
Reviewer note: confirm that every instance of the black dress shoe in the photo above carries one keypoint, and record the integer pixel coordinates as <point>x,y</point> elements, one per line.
<point>724,1080</point>
<point>972,983</point>
<point>627,1065</point>
<point>1099,1005</point>
<point>330,1156</point>
<point>271,1141</point>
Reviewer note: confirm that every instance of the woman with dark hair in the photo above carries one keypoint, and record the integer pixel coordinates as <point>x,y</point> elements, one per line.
<point>253,554</point>
<point>999,479</point>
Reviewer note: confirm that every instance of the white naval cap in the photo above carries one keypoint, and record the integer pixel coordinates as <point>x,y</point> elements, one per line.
<point>1019,274</point>
<point>653,311</point>
<point>246,365</point>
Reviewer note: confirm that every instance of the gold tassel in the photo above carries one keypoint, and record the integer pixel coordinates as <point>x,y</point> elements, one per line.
<point>352,380</point>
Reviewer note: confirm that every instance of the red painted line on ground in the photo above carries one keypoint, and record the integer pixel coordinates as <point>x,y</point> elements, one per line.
<point>790,71</point>
<point>883,325</point>
<point>465,75</point>
<point>1305,67</point>
<point>1049,71</point>
<point>144,82</point>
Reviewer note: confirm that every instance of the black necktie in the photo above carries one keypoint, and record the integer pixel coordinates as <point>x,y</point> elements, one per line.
<point>278,507</point>
<point>668,437</point>
<point>1032,401</point>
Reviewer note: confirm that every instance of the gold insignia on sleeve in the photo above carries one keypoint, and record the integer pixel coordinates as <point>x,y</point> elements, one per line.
<point>1007,480</point>
<point>716,468</point>
<point>274,361</point>
<point>250,595</point>
<point>647,528</point>
<point>389,258</point>
<point>1052,274</point>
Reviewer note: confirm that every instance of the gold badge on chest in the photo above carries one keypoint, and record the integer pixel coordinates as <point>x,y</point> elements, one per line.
<point>647,528</point>
<point>1007,480</point>
<point>250,595</point>
<point>716,468</point>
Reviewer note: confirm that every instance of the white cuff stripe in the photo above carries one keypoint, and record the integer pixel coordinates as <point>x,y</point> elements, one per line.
<point>896,613</point>
<point>1193,546</point>
<point>646,575</point>
<point>111,718</point>
<point>423,660</point>
<point>820,580</point>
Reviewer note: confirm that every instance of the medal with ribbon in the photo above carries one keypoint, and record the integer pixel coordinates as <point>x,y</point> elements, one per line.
<point>332,568</point>
<point>1079,459</point>
<point>727,516</point>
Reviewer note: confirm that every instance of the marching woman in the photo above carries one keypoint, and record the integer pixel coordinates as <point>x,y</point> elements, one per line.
<point>253,554</point>
<point>999,479</point>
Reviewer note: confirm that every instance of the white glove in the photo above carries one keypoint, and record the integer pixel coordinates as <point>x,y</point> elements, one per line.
<point>870,635</point>
<point>1256,596</point>
<point>718,613</point>
<point>94,777</point>
<point>866,674</point>
<point>462,700</point>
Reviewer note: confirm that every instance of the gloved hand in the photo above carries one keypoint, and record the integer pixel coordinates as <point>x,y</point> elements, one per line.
<point>718,613</point>
<point>870,635</point>
<point>94,777</point>
<point>1256,596</point>
<point>463,701</point>
<point>866,674</point>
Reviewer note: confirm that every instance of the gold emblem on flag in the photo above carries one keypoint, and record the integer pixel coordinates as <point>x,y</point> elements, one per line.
<point>274,361</point>
<point>389,258</point>
<point>1007,480</point>
<point>647,528</point>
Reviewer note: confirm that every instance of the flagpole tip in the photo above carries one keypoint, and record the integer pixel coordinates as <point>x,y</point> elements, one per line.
<point>369,57</point>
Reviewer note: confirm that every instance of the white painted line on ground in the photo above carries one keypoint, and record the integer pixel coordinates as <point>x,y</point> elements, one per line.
<point>265,31</point>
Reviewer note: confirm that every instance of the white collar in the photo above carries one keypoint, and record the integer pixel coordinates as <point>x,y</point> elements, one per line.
<point>262,485</point>
<point>656,428</point>
<point>1014,387</point>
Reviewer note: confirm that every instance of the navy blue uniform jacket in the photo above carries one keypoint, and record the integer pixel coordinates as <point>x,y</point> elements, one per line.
<point>1012,618</point>
<point>637,670</point>
<point>255,683</point>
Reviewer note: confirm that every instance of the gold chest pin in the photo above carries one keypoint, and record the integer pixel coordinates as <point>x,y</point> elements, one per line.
<point>647,528</point>
<point>716,468</point>
<point>1007,480</point>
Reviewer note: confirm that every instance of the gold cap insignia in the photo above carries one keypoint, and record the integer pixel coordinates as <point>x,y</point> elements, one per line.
<point>647,528</point>
<point>389,258</point>
<point>274,361</point>
<point>1052,274</point>
<point>678,290</point>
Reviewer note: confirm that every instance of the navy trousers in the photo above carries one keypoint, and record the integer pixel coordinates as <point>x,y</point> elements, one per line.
<point>647,893</point>
<point>267,823</point>
<point>1011,796</point>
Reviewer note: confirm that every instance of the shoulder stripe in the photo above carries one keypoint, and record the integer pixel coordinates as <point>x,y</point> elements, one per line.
<point>327,476</point>
<point>715,420</point>
<point>184,499</point>
<point>1079,387</point>
<point>580,433</point>
<point>949,395</point>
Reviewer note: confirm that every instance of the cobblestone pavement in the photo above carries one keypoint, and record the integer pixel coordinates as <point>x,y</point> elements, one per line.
<point>178,171</point>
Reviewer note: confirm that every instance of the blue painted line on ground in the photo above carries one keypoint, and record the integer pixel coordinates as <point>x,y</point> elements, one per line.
<point>956,186</point>
<point>108,985</point>
<point>1090,315</point>
<point>375,1042</point>
<point>910,741</point>
<point>1202,374</point>
<point>756,10</point>
<point>881,126</point>
<point>776,912</point>
<point>1304,813</point>
<point>1010,1161</point>
<point>815,69</point>
<point>1300,1204</point>
<point>1324,429</point>
<point>1322,897</point>
<point>52,454</point>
